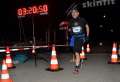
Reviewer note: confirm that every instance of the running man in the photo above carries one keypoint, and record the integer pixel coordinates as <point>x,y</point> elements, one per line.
<point>79,29</point>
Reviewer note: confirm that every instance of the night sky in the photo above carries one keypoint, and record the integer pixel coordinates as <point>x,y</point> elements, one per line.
<point>103,21</point>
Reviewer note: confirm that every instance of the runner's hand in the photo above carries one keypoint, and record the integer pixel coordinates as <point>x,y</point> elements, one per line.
<point>86,39</point>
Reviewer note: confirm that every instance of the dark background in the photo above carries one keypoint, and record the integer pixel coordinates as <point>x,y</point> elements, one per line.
<point>102,29</point>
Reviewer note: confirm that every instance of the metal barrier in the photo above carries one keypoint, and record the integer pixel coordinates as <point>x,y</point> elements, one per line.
<point>19,48</point>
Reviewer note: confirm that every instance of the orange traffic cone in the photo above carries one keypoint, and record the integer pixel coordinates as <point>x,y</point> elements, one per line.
<point>9,59</point>
<point>82,54</point>
<point>4,74</point>
<point>114,56</point>
<point>54,66</point>
<point>7,50</point>
<point>88,48</point>
<point>33,49</point>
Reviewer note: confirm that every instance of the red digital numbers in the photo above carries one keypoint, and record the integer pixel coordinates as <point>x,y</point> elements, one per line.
<point>30,10</point>
<point>24,11</point>
<point>34,8</point>
<point>41,9</point>
<point>19,12</point>
<point>45,8</point>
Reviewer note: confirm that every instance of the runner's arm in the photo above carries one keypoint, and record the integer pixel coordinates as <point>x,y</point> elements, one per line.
<point>87,30</point>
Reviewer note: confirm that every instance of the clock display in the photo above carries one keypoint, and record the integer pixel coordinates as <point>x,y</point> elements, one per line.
<point>40,9</point>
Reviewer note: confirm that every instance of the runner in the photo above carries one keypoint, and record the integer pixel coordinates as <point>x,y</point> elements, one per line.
<point>79,30</point>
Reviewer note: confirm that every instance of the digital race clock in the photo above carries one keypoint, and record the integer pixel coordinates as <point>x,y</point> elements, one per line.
<point>40,9</point>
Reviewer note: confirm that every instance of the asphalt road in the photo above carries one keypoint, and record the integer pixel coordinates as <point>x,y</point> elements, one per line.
<point>94,69</point>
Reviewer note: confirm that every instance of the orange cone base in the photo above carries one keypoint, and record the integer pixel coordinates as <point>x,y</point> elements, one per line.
<point>6,80</point>
<point>109,62</point>
<point>13,67</point>
<point>59,69</point>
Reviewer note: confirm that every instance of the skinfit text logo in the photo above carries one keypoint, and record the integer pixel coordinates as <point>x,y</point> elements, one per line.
<point>97,3</point>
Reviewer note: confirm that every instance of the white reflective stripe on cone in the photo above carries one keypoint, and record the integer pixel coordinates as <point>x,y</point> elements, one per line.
<point>88,45</point>
<point>114,56</point>
<point>33,51</point>
<point>4,67</point>
<point>88,49</point>
<point>54,62</point>
<point>82,48</point>
<point>82,53</point>
<point>5,76</point>
<point>8,60</point>
<point>53,53</point>
<point>114,49</point>
<point>7,52</point>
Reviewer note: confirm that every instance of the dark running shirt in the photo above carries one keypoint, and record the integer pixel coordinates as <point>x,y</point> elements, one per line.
<point>78,26</point>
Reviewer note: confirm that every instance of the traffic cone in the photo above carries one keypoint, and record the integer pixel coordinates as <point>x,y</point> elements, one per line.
<point>54,66</point>
<point>4,73</point>
<point>119,52</point>
<point>7,50</point>
<point>119,49</point>
<point>114,56</point>
<point>9,59</point>
<point>33,49</point>
<point>82,54</point>
<point>88,48</point>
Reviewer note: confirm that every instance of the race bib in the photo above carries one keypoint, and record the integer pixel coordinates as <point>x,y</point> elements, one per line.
<point>77,29</point>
